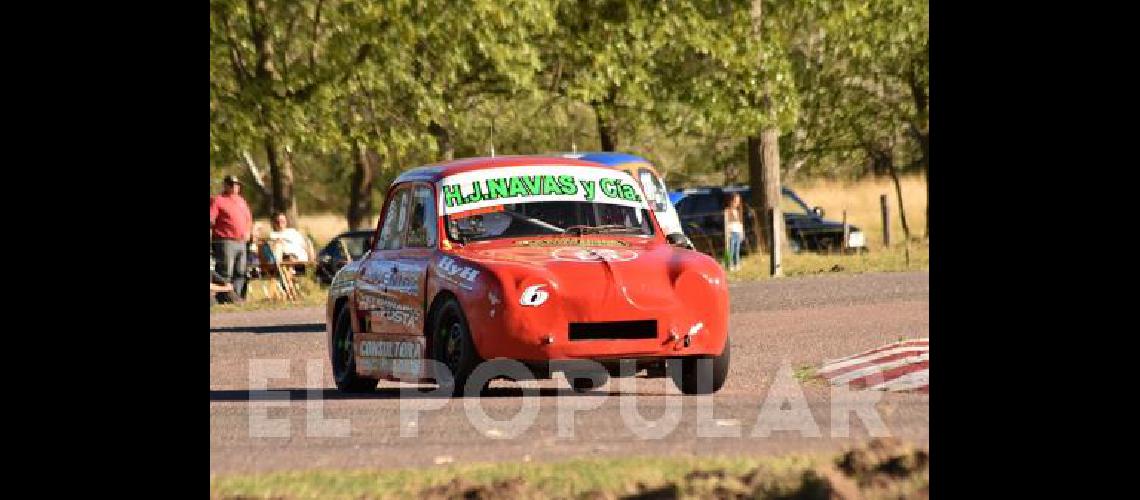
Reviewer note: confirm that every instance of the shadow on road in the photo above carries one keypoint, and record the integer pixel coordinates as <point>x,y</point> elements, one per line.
<point>294,394</point>
<point>302,328</point>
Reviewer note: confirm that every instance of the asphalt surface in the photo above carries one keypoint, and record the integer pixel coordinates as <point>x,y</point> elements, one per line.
<point>789,323</point>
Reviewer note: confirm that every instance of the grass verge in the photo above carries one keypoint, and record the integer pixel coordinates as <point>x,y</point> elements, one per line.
<point>259,298</point>
<point>879,469</point>
<point>806,374</point>
<point>880,259</point>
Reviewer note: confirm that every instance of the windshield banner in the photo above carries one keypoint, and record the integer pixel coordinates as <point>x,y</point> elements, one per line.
<point>480,189</point>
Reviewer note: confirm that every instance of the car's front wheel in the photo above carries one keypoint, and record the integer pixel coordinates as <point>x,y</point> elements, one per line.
<point>452,344</point>
<point>694,376</point>
<point>343,359</point>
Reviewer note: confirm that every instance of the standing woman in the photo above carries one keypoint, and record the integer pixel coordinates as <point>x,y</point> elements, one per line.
<point>734,229</point>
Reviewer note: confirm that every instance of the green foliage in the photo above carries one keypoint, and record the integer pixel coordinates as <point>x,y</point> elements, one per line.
<point>680,82</point>
<point>867,67</point>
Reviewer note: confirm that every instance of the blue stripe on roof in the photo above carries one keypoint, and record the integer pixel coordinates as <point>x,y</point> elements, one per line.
<point>606,158</point>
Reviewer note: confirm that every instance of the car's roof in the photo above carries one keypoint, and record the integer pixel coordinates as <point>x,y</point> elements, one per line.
<point>607,157</point>
<point>433,173</point>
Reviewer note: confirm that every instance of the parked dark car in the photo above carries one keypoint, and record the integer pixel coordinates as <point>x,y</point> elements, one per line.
<point>702,216</point>
<point>344,248</point>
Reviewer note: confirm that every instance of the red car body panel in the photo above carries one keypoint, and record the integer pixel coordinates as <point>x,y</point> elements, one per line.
<point>586,279</point>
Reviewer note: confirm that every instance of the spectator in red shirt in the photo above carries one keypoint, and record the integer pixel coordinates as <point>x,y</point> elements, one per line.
<point>230,223</point>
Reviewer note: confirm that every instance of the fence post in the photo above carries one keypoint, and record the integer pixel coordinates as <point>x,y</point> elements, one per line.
<point>846,232</point>
<point>886,219</point>
<point>775,269</point>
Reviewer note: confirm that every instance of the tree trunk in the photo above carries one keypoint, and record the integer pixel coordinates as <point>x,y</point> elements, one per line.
<point>902,208</point>
<point>607,130</point>
<point>289,200</point>
<point>442,140</point>
<point>265,198</point>
<point>756,181</point>
<point>281,174</point>
<point>770,148</point>
<point>921,131</point>
<point>924,139</point>
<point>764,178</point>
<point>898,192</point>
<point>360,196</point>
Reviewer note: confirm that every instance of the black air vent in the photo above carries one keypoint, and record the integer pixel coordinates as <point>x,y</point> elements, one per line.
<point>614,330</point>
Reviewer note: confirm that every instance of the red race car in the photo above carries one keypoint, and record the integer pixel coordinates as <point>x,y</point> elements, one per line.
<point>555,263</point>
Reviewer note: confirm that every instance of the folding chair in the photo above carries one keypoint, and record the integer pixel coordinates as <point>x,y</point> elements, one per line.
<point>271,263</point>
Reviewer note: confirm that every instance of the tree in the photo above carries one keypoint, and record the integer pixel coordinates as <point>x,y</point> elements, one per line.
<point>614,55</point>
<point>458,57</point>
<point>269,60</point>
<point>764,154</point>
<point>321,102</point>
<point>877,74</point>
<point>742,85</point>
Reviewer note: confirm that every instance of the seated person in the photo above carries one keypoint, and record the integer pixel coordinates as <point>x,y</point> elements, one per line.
<point>294,246</point>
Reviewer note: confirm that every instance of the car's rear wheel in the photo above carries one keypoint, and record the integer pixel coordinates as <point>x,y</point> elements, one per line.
<point>694,377</point>
<point>343,358</point>
<point>452,344</point>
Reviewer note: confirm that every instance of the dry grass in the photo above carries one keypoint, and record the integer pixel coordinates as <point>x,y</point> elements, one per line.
<point>861,200</point>
<point>261,296</point>
<point>878,259</point>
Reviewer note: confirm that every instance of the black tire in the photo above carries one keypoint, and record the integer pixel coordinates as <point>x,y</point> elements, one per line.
<point>582,382</point>
<point>452,344</point>
<point>686,378</point>
<point>343,360</point>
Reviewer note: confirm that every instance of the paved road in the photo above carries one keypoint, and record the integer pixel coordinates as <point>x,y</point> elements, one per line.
<point>789,323</point>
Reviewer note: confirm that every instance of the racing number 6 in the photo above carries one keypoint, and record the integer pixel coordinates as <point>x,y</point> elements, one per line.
<point>533,296</point>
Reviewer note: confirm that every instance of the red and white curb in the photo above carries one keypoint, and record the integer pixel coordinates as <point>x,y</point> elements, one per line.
<point>899,367</point>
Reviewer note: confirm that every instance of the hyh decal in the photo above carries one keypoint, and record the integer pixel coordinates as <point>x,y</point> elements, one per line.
<point>452,269</point>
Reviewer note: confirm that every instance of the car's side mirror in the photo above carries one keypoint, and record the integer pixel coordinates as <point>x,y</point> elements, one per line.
<point>680,240</point>
<point>818,211</point>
